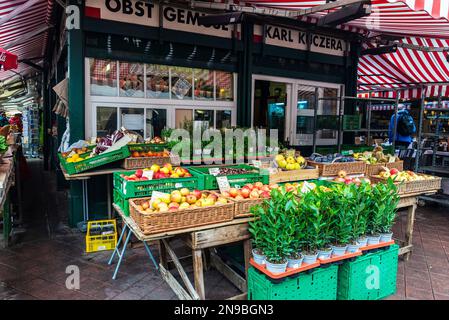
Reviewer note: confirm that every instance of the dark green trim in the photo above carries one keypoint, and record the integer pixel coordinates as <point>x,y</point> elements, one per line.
<point>277,72</point>
<point>127,29</point>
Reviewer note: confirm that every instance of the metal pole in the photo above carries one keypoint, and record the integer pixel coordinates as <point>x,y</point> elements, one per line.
<point>421,118</point>
<point>340,116</point>
<point>395,120</point>
<point>368,121</point>
<point>437,131</point>
<point>315,108</point>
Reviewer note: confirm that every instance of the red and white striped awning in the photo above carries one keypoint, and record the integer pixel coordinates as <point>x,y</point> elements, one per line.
<point>406,68</point>
<point>425,18</point>
<point>36,15</point>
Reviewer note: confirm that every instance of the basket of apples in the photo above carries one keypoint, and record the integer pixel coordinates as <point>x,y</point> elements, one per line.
<point>342,177</point>
<point>180,209</point>
<point>409,182</point>
<point>142,182</point>
<point>247,196</point>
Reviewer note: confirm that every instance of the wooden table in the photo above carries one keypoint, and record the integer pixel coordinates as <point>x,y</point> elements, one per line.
<point>199,239</point>
<point>410,202</point>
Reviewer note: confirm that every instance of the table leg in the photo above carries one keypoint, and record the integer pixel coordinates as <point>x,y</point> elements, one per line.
<point>409,232</point>
<point>247,255</point>
<point>118,244</point>
<point>198,273</point>
<point>147,248</point>
<point>120,255</point>
<point>85,200</point>
<point>163,255</point>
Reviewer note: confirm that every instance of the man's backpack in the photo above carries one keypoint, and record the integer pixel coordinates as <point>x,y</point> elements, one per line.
<point>406,126</point>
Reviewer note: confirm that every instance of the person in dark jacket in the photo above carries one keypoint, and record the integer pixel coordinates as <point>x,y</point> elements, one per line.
<point>404,129</point>
<point>3,119</point>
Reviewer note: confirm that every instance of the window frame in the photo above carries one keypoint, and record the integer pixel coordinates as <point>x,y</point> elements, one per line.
<point>170,104</point>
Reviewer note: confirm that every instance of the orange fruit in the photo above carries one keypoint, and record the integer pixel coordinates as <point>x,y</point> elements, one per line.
<point>136,154</point>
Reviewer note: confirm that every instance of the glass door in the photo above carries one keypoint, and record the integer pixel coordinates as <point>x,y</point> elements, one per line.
<point>303,115</point>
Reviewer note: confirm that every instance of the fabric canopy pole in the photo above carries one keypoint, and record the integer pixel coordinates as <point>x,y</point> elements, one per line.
<point>8,60</point>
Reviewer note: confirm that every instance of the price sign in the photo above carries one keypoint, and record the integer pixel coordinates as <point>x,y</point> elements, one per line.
<point>148,174</point>
<point>214,171</point>
<point>257,163</point>
<point>223,183</point>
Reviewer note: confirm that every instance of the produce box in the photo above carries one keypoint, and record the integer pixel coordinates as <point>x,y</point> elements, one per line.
<point>95,161</point>
<point>157,222</point>
<point>320,284</point>
<point>414,187</point>
<point>207,181</point>
<point>373,169</point>
<point>331,169</point>
<point>307,173</point>
<point>369,277</point>
<point>120,200</point>
<point>144,162</point>
<point>145,147</point>
<point>138,189</point>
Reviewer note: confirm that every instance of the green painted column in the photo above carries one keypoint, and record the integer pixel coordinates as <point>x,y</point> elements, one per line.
<point>75,51</point>
<point>245,77</point>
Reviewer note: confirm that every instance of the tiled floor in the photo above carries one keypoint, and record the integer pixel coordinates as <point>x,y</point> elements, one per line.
<point>35,268</point>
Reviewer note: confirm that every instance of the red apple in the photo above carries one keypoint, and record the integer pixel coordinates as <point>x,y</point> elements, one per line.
<point>258,185</point>
<point>191,198</point>
<point>254,194</point>
<point>250,186</point>
<point>394,171</point>
<point>265,194</point>
<point>233,192</point>
<point>245,191</point>
<point>139,173</point>
<point>197,194</point>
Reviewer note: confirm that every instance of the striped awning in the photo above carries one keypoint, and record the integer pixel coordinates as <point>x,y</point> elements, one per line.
<point>425,18</point>
<point>33,15</point>
<point>406,69</point>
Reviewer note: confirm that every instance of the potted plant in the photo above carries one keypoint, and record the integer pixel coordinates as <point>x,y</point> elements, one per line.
<point>375,216</point>
<point>389,200</point>
<point>310,211</point>
<point>342,207</point>
<point>255,228</point>
<point>325,198</point>
<point>357,214</point>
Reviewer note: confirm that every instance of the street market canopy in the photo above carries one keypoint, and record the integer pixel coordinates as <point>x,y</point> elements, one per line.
<point>24,28</point>
<point>420,23</point>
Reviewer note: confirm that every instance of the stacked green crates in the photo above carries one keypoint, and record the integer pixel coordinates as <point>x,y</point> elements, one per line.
<point>125,190</point>
<point>369,277</point>
<point>208,181</point>
<point>317,284</point>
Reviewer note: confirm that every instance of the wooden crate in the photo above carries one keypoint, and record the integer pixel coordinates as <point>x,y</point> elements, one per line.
<point>332,169</point>
<point>144,162</point>
<point>295,175</point>
<point>374,169</point>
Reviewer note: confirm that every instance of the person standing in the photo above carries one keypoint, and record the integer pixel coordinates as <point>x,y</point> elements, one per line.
<point>404,130</point>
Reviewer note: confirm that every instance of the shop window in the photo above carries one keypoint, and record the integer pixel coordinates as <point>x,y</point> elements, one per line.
<point>304,125</point>
<point>106,121</point>
<point>330,103</point>
<point>181,83</point>
<point>156,120</point>
<point>204,84</point>
<point>224,86</point>
<point>132,119</point>
<point>206,117</point>
<point>223,119</point>
<point>131,80</point>
<point>158,81</point>
<point>183,118</point>
<point>103,77</point>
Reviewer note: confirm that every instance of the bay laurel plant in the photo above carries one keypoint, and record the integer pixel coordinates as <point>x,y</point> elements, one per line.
<point>335,214</point>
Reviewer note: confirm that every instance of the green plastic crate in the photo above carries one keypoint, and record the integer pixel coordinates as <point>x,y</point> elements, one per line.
<point>207,181</point>
<point>139,189</point>
<point>157,147</point>
<point>121,201</point>
<point>320,284</point>
<point>94,162</point>
<point>357,279</point>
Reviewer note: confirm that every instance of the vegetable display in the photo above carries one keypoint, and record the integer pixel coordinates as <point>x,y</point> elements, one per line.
<point>3,145</point>
<point>330,158</point>
<point>104,143</point>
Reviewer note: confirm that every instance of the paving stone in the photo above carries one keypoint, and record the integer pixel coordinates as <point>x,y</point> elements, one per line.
<point>419,294</point>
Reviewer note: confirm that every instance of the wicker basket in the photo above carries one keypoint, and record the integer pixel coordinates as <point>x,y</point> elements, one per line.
<point>241,207</point>
<point>413,187</point>
<point>295,175</point>
<point>151,223</point>
<point>144,162</point>
<point>332,169</point>
<point>374,169</point>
